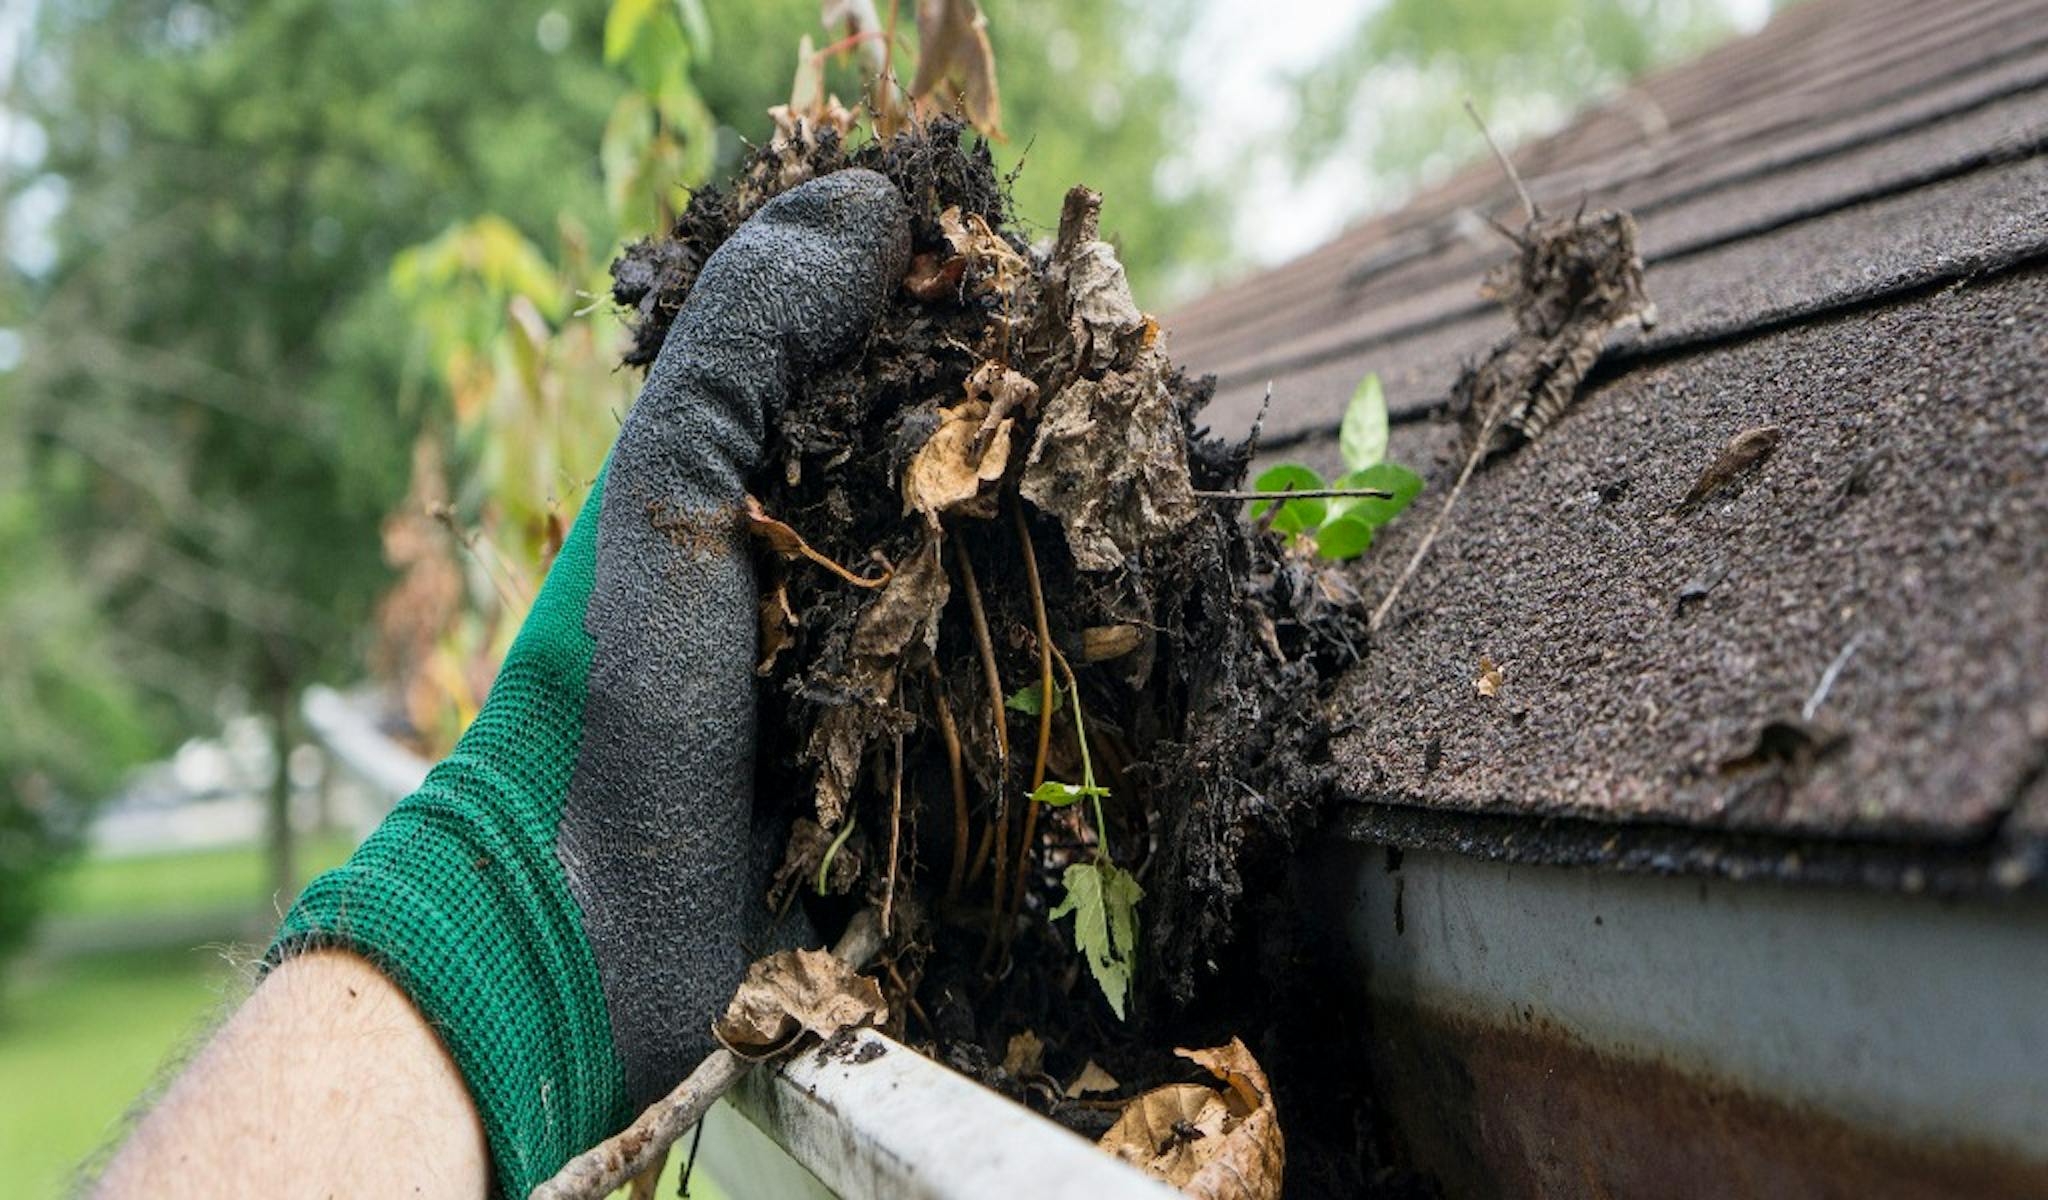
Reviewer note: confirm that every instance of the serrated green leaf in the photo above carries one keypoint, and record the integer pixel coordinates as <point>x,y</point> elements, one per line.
<point>1295,516</point>
<point>1374,511</point>
<point>1025,699</point>
<point>1363,438</point>
<point>1345,537</point>
<point>1103,901</point>
<point>1054,794</point>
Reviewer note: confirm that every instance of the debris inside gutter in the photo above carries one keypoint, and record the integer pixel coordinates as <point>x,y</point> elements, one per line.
<point>1038,696</point>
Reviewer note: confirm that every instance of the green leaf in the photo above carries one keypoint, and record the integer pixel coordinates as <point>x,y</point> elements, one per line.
<point>1363,439</point>
<point>1375,512</point>
<point>696,26</point>
<point>1025,699</point>
<point>1104,903</point>
<point>1344,537</point>
<point>622,26</point>
<point>1295,516</point>
<point>1054,794</point>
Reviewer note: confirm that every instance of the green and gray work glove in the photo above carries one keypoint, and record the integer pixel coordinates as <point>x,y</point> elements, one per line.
<point>567,896</point>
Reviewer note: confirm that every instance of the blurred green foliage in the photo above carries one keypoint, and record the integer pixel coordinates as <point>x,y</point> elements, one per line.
<point>288,233</point>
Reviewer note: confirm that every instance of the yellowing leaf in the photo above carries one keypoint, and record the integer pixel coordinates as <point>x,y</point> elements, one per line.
<point>1215,1144</point>
<point>1103,900</point>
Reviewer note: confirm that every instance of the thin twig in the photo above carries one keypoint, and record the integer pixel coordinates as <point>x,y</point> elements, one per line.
<point>1437,526</point>
<point>895,833</point>
<point>950,733</point>
<point>1046,691</point>
<point>603,1167</point>
<point>1506,164</point>
<point>1827,679</point>
<point>987,648</point>
<point>1299,494</point>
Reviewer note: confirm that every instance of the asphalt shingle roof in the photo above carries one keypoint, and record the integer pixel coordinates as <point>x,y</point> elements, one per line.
<point>1845,222</point>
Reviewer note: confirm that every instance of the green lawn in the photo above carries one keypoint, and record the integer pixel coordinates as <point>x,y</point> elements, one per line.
<point>80,1038</point>
<point>193,881</point>
<point>85,1031</point>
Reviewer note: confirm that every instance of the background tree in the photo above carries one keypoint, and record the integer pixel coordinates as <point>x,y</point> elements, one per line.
<point>220,382</point>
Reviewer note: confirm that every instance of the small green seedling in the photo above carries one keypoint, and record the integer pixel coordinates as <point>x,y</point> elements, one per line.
<point>1343,527</point>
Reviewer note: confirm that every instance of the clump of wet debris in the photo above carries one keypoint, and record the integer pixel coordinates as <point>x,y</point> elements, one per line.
<point>1033,686</point>
<point>984,540</point>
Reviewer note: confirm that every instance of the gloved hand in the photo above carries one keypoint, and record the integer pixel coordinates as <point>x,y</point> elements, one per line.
<point>567,896</point>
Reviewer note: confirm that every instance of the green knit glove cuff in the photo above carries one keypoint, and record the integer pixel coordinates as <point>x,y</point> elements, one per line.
<point>458,896</point>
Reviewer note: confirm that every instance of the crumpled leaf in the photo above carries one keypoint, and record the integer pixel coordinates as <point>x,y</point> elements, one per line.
<point>932,277</point>
<point>903,615</point>
<point>952,43</point>
<point>1101,315</point>
<point>1215,1144</point>
<point>793,992</point>
<point>944,475</point>
<point>1489,679</point>
<point>1108,461</point>
<point>999,268</point>
<point>1103,900</point>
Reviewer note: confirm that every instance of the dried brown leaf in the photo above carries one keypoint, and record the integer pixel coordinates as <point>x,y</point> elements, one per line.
<point>997,266</point>
<point>933,277</point>
<point>1743,451</point>
<point>778,625</point>
<point>1091,1080</point>
<point>1489,679</point>
<point>1025,1055</point>
<point>946,475</point>
<point>1110,463</point>
<point>1218,1145</point>
<point>953,44</point>
<point>793,992</point>
<point>903,615</point>
<point>1100,643</point>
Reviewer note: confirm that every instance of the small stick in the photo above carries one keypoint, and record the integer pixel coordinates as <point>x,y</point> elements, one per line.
<point>645,1183</point>
<point>1827,679</point>
<point>1300,494</point>
<point>625,1155</point>
<point>951,734</point>
<point>1437,526</point>
<point>1506,165</point>
<point>1045,695</point>
<point>895,833</point>
<point>988,653</point>
<point>603,1167</point>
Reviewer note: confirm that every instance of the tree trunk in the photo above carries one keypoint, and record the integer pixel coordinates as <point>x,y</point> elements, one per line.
<point>283,873</point>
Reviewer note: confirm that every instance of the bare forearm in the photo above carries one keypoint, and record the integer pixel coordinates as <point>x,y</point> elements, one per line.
<point>326,1082</point>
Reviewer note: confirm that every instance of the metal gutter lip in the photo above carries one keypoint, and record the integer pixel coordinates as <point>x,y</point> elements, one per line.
<point>873,1119</point>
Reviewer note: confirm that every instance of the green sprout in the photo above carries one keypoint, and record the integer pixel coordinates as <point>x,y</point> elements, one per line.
<point>1342,527</point>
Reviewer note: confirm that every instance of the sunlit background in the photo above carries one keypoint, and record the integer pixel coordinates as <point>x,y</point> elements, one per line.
<point>303,369</point>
